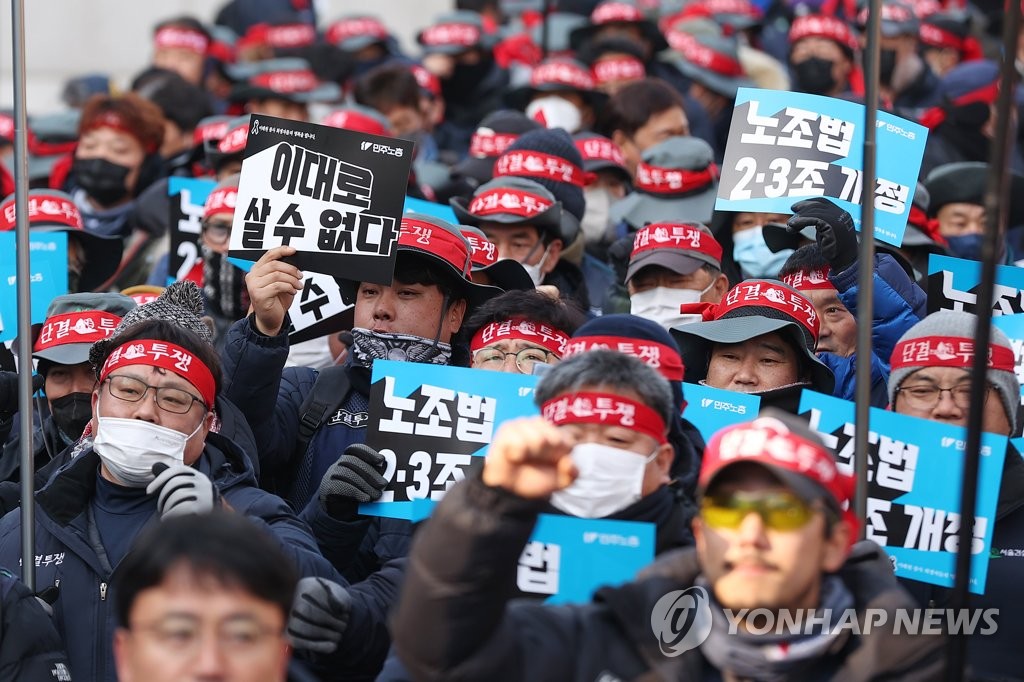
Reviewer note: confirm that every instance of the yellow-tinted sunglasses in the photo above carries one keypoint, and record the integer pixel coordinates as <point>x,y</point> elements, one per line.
<point>782,511</point>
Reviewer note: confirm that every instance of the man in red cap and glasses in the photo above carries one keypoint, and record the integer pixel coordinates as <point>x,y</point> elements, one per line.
<point>772,536</point>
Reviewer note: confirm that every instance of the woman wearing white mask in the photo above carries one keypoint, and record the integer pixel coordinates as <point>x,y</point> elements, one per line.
<point>672,264</point>
<point>561,93</point>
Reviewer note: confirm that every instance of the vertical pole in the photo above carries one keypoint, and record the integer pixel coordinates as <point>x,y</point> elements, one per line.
<point>866,263</point>
<point>997,201</point>
<point>28,573</point>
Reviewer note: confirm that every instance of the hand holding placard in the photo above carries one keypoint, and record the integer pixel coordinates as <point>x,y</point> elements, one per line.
<point>530,458</point>
<point>272,286</point>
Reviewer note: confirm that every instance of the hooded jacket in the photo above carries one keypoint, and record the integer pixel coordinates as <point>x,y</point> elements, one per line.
<point>899,304</point>
<point>70,555</point>
<point>454,621</point>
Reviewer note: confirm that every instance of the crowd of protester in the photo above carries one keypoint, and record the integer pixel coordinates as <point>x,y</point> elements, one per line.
<point>199,476</point>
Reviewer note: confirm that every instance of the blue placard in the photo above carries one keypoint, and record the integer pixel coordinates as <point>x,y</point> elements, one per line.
<point>48,257</point>
<point>787,146</point>
<point>414,205</point>
<point>953,283</point>
<point>712,409</point>
<point>187,201</point>
<point>568,558</point>
<point>433,424</point>
<point>914,487</point>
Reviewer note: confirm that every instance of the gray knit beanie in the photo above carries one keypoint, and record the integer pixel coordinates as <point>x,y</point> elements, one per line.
<point>180,303</point>
<point>955,324</point>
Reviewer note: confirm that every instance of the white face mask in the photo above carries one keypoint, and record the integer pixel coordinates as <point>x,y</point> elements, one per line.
<point>534,271</point>
<point>557,112</point>
<point>130,447</point>
<point>597,217</point>
<point>661,305</point>
<point>610,479</point>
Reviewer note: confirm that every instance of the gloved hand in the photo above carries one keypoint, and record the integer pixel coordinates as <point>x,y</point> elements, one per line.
<point>319,616</point>
<point>183,490</point>
<point>836,235</point>
<point>355,477</point>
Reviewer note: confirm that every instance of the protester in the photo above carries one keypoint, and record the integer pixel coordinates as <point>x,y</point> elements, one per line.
<point>152,455</point>
<point>673,264</point>
<point>826,273</point>
<point>931,370</point>
<point>454,616</point>
<point>957,192</point>
<point>641,115</point>
<point>73,323</point>
<point>192,604</point>
<point>760,339</point>
<point>822,55</point>
<point>92,258</point>
<point>519,330</point>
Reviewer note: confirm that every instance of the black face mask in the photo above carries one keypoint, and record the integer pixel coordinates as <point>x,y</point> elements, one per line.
<point>71,413</point>
<point>464,80</point>
<point>814,76</point>
<point>886,66</point>
<point>102,180</point>
<point>224,285</point>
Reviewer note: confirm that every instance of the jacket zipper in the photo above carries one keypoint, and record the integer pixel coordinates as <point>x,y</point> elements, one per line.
<point>101,660</point>
<point>103,592</point>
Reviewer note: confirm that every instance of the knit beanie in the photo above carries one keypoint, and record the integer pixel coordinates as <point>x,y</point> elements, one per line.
<point>558,143</point>
<point>946,339</point>
<point>180,303</point>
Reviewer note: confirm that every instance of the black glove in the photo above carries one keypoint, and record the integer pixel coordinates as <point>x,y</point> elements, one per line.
<point>836,235</point>
<point>320,614</point>
<point>356,477</point>
<point>182,490</point>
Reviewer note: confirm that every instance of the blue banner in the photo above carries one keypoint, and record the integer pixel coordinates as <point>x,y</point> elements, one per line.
<point>187,200</point>
<point>48,257</point>
<point>414,205</point>
<point>953,284</point>
<point>433,424</point>
<point>914,487</point>
<point>712,409</point>
<point>787,146</point>
<point>568,558</point>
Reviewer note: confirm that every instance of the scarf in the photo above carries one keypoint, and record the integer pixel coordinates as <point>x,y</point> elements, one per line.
<point>774,656</point>
<point>370,345</point>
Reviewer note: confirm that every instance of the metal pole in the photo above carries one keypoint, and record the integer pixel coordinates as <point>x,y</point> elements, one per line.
<point>866,263</point>
<point>24,273</point>
<point>997,201</point>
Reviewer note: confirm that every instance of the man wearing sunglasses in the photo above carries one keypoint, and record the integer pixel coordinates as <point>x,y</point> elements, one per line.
<point>771,535</point>
<point>930,378</point>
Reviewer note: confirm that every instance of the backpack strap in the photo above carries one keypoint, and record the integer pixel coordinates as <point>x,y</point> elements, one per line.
<point>327,394</point>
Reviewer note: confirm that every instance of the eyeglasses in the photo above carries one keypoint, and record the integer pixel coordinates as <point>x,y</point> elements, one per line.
<point>526,359</point>
<point>184,636</point>
<point>927,396</point>
<point>779,510</point>
<point>216,232</point>
<point>133,390</point>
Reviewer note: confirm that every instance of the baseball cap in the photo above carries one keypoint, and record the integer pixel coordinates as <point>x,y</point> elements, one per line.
<point>790,451</point>
<point>682,248</point>
<point>75,321</point>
